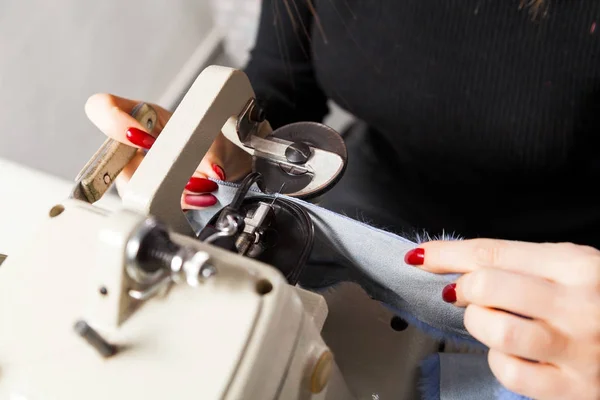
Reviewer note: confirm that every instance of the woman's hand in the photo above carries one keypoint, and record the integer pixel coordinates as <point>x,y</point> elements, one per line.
<point>224,160</point>
<point>552,353</point>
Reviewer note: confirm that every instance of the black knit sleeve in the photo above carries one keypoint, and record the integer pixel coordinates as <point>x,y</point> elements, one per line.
<point>280,67</point>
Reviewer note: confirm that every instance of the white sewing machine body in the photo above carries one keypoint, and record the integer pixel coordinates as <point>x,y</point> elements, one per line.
<point>221,347</point>
<point>233,330</point>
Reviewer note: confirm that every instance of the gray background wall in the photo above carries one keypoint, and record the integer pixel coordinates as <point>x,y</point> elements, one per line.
<point>55,54</point>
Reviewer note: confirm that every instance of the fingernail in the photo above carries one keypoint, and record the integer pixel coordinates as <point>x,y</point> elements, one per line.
<point>140,138</point>
<point>415,257</point>
<point>201,185</point>
<point>219,171</point>
<point>200,200</point>
<point>449,293</point>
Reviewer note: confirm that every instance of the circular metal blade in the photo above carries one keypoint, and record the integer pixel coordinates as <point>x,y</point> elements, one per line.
<point>292,179</point>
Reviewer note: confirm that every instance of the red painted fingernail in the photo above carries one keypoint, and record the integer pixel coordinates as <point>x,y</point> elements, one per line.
<point>140,138</point>
<point>201,185</point>
<point>449,293</point>
<point>200,200</point>
<point>415,257</point>
<point>219,171</point>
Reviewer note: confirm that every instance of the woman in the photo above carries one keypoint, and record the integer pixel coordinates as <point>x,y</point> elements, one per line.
<point>480,118</point>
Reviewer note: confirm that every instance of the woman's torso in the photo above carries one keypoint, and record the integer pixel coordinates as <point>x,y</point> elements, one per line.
<point>492,114</point>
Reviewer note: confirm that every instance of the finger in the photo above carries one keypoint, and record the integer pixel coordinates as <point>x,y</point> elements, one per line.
<point>579,311</point>
<point>199,184</point>
<point>225,160</point>
<point>111,114</point>
<point>526,338</point>
<point>198,201</point>
<point>211,166</point>
<point>197,194</point>
<point>525,295</point>
<point>534,380</point>
<point>546,260</point>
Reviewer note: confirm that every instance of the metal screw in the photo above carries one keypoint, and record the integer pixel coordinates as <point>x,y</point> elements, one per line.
<point>298,153</point>
<point>152,255</point>
<point>94,339</point>
<point>149,251</point>
<point>192,267</point>
<point>207,271</point>
<point>149,124</point>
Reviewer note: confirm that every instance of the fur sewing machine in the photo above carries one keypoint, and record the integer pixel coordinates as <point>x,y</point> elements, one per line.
<point>138,303</point>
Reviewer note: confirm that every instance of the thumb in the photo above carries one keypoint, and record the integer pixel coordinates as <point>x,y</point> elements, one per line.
<point>225,161</point>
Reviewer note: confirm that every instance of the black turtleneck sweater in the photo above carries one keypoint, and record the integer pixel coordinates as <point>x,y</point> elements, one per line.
<point>486,116</point>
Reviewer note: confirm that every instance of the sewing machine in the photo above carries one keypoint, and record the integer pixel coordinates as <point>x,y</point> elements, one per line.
<point>131,302</point>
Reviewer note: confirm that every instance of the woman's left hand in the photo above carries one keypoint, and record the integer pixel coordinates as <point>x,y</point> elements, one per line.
<point>552,353</point>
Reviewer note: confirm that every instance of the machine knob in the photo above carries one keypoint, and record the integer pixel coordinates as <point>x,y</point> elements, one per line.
<point>298,153</point>
<point>321,372</point>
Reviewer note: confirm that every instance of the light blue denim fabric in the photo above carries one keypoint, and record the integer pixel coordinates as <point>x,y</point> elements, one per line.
<point>375,260</point>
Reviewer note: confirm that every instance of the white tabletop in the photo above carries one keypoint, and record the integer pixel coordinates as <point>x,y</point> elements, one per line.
<point>26,196</point>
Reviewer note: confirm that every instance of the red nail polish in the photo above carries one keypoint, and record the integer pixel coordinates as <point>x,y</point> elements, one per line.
<point>200,200</point>
<point>219,171</point>
<point>201,185</point>
<point>415,257</point>
<point>449,293</point>
<point>140,138</point>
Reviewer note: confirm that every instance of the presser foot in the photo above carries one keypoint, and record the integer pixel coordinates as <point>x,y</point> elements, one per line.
<point>270,229</point>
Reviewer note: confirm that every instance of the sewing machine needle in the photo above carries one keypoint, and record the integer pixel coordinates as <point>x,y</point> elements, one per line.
<point>276,193</point>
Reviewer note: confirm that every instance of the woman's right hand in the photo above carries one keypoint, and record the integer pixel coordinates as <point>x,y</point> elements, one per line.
<point>223,161</point>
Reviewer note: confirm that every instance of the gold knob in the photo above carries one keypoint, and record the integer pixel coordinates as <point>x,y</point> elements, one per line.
<point>321,372</point>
